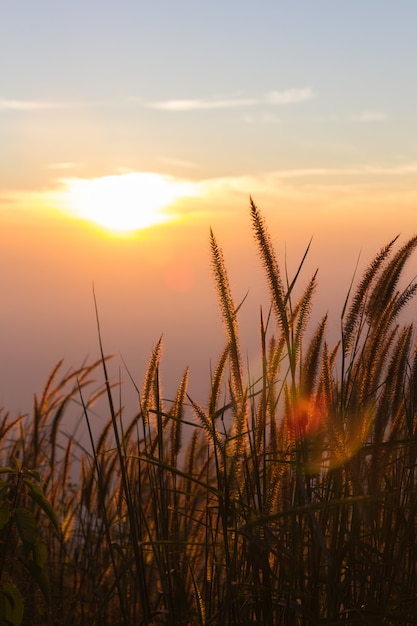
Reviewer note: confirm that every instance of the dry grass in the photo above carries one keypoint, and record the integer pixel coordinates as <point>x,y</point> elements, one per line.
<point>288,500</point>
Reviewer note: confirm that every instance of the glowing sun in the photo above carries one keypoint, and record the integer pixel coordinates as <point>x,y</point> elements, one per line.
<point>125,202</point>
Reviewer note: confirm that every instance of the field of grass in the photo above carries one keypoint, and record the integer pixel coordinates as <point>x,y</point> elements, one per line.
<point>289,499</point>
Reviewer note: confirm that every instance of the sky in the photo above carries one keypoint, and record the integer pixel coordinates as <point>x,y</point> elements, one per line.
<point>178,112</point>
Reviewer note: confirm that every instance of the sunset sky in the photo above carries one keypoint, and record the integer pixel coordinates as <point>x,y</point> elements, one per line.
<point>129,128</point>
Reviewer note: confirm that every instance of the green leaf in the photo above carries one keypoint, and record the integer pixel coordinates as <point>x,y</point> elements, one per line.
<point>38,496</point>
<point>4,514</point>
<point>39,553</point>
<point>4,486</point>
<point>11,605</point>
<point>39,576</point>
<point>33,473</point>
<point>26,525</point>
<point>7,470</point>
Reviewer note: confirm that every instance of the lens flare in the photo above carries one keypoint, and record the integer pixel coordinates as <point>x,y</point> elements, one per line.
<point>328,440</point>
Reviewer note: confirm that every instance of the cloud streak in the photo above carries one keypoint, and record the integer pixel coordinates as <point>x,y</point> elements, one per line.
<point>28,105</point>
<point>403,169</point>
<point>369,116</point>
<point>272,98</point>
<point>293,181</point>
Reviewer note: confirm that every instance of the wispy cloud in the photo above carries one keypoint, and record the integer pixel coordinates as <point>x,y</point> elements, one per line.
<point>264,118</point>
<point>11,104</point>
<point>274,98</point>
<point>27,105</point>
<point>293,181</point>
<point>402,169</point>
<point>373,182</point>
<point>361,116</point>
<point>369,116</point>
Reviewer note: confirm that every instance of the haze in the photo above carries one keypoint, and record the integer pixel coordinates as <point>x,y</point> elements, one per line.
<point>308,107</point>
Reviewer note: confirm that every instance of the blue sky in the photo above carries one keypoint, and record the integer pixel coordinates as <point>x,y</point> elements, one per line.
<point>100,85</point>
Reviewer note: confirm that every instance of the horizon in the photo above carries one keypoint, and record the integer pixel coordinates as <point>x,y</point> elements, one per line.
<point>308,109</point>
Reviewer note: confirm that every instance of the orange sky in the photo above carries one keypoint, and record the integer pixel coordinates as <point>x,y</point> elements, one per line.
<point>158,280</point>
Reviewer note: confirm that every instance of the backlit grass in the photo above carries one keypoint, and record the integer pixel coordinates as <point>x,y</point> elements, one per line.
<point>290,499</point>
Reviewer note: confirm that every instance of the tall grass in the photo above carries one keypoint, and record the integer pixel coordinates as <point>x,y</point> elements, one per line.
<point>290,499</point>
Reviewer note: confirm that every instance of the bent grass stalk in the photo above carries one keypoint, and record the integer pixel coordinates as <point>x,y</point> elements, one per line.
<point>289,499</point>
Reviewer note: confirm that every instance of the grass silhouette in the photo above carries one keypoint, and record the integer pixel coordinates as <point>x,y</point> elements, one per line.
<point>290,499</point>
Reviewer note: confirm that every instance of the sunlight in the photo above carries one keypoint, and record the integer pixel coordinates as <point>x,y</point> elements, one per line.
<point>125,202</point>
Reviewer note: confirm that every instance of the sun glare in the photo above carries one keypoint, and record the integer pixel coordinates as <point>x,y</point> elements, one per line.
<point>125,202</point>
